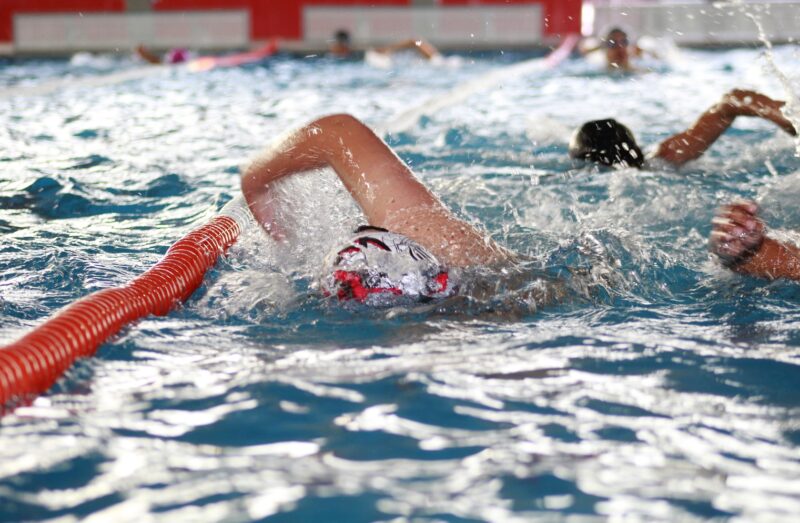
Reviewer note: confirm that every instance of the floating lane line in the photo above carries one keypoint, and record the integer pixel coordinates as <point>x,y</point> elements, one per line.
<point>32,364</point>
<point>409,118</point>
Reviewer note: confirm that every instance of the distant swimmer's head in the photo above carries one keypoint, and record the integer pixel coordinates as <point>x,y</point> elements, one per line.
<point>617,44</point>
<point>616,37</point>
<point>340,45</point>
<point>607,142</point>
<point>177,56</point>
<point>342,36</point>
<point>383,269</point>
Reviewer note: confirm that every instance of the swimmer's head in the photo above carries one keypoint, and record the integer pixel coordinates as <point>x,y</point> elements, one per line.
<point>340,45</point>
<point>617,45</point>
<point>616,37</point>
<point>607,142</point>
<point>383,269</point>
<point>342,36</point>
<point>178,55</point>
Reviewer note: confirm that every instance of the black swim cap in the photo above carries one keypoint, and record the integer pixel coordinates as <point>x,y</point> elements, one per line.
<point>607,142</point>
<point>342,36</point>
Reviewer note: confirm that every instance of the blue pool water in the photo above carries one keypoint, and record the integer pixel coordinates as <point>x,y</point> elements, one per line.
<point>670,396</point>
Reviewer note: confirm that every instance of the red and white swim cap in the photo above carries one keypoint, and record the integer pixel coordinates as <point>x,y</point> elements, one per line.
<point>383,269</point>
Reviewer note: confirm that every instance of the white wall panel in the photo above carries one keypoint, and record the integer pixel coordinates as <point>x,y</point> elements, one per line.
<point>110,31</point>
<point>703,22</point>
<point>484,26</point>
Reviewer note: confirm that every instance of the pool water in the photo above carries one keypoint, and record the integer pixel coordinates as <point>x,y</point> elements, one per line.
<point>670,396</point>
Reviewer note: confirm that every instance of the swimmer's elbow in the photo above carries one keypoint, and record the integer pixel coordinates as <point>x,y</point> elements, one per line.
<point>249,183</point>
<point>338,122</point>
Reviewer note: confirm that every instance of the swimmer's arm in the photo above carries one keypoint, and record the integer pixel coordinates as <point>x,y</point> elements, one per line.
<point>289,156</point>
<point>383,186</point>
<point>640,52</point>
<point>738,238</point>
<point>147,55</point>
<point>692,143</point>
<point>773,260</point>
<point>377,179</point>
<point>425,49</point>
<point>588,47</point>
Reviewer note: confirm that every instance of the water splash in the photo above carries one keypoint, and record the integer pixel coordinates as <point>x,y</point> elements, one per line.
<point>792,108</point>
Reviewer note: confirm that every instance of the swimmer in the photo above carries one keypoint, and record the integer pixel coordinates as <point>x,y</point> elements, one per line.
<point>610,143</point>
<point>618,50</point>
<point>388,193</point>
<point>382,56</point>
<point>738,238</point>
<point>206,63</point>
<point>340,45</point>
<point>423,48</point>
<point>173,56</point>
<point>412,240</point>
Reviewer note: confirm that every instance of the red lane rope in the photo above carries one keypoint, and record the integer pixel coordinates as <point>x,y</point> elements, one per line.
<point>34,362</point>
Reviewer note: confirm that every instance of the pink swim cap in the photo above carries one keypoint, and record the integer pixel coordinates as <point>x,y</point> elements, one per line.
<point>177,56</point>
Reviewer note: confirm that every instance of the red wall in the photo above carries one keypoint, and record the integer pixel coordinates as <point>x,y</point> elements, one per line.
<point>562,17</point>
<point>281,18</point>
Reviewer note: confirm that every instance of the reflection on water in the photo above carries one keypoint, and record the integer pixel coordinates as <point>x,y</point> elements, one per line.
<point>664,390</point>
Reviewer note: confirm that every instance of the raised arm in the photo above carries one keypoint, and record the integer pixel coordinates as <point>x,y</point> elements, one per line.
<point>425,49</point>
<point>383,186</point>
<point>739,239</point>
<point>693,142</point>
<point>147,55</point>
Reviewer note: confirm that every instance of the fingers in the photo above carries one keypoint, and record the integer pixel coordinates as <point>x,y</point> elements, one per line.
<point>737,232</point>
<point>727,248</point>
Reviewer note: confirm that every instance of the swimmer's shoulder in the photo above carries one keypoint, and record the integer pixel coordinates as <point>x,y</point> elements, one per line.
<point>654,162</point>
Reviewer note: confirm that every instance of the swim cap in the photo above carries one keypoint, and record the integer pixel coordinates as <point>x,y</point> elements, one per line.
<point>381,268</point>
<point>177,56</point>
<point>607,142</point>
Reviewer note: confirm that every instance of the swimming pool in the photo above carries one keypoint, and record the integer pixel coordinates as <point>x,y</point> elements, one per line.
<point>671,397</point>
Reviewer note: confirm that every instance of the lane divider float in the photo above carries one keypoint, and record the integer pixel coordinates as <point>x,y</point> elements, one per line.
<point>32,364</point>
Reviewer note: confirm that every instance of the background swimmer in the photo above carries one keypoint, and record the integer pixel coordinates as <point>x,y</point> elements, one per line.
<point>177,55</point>
<point>421,47</point>
<point>205,63</point>
<point>383,56</point>
<point>340,46</point>
<point>618,50</point>
<point>739,240</point>
<point>610,143</point>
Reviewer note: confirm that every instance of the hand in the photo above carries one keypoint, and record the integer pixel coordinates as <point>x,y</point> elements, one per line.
<point>737,233</point>
<point>742,102</point>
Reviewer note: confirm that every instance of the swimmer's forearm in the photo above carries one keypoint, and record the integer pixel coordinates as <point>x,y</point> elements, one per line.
<point>148,56</point>
<point>692,143</point>
<point>773,260</point>
<point>741,102</point>
<point>297,153</point>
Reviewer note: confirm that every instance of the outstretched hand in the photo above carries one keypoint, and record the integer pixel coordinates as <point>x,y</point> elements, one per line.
<point>743,102</point>
<point>737,233</point>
